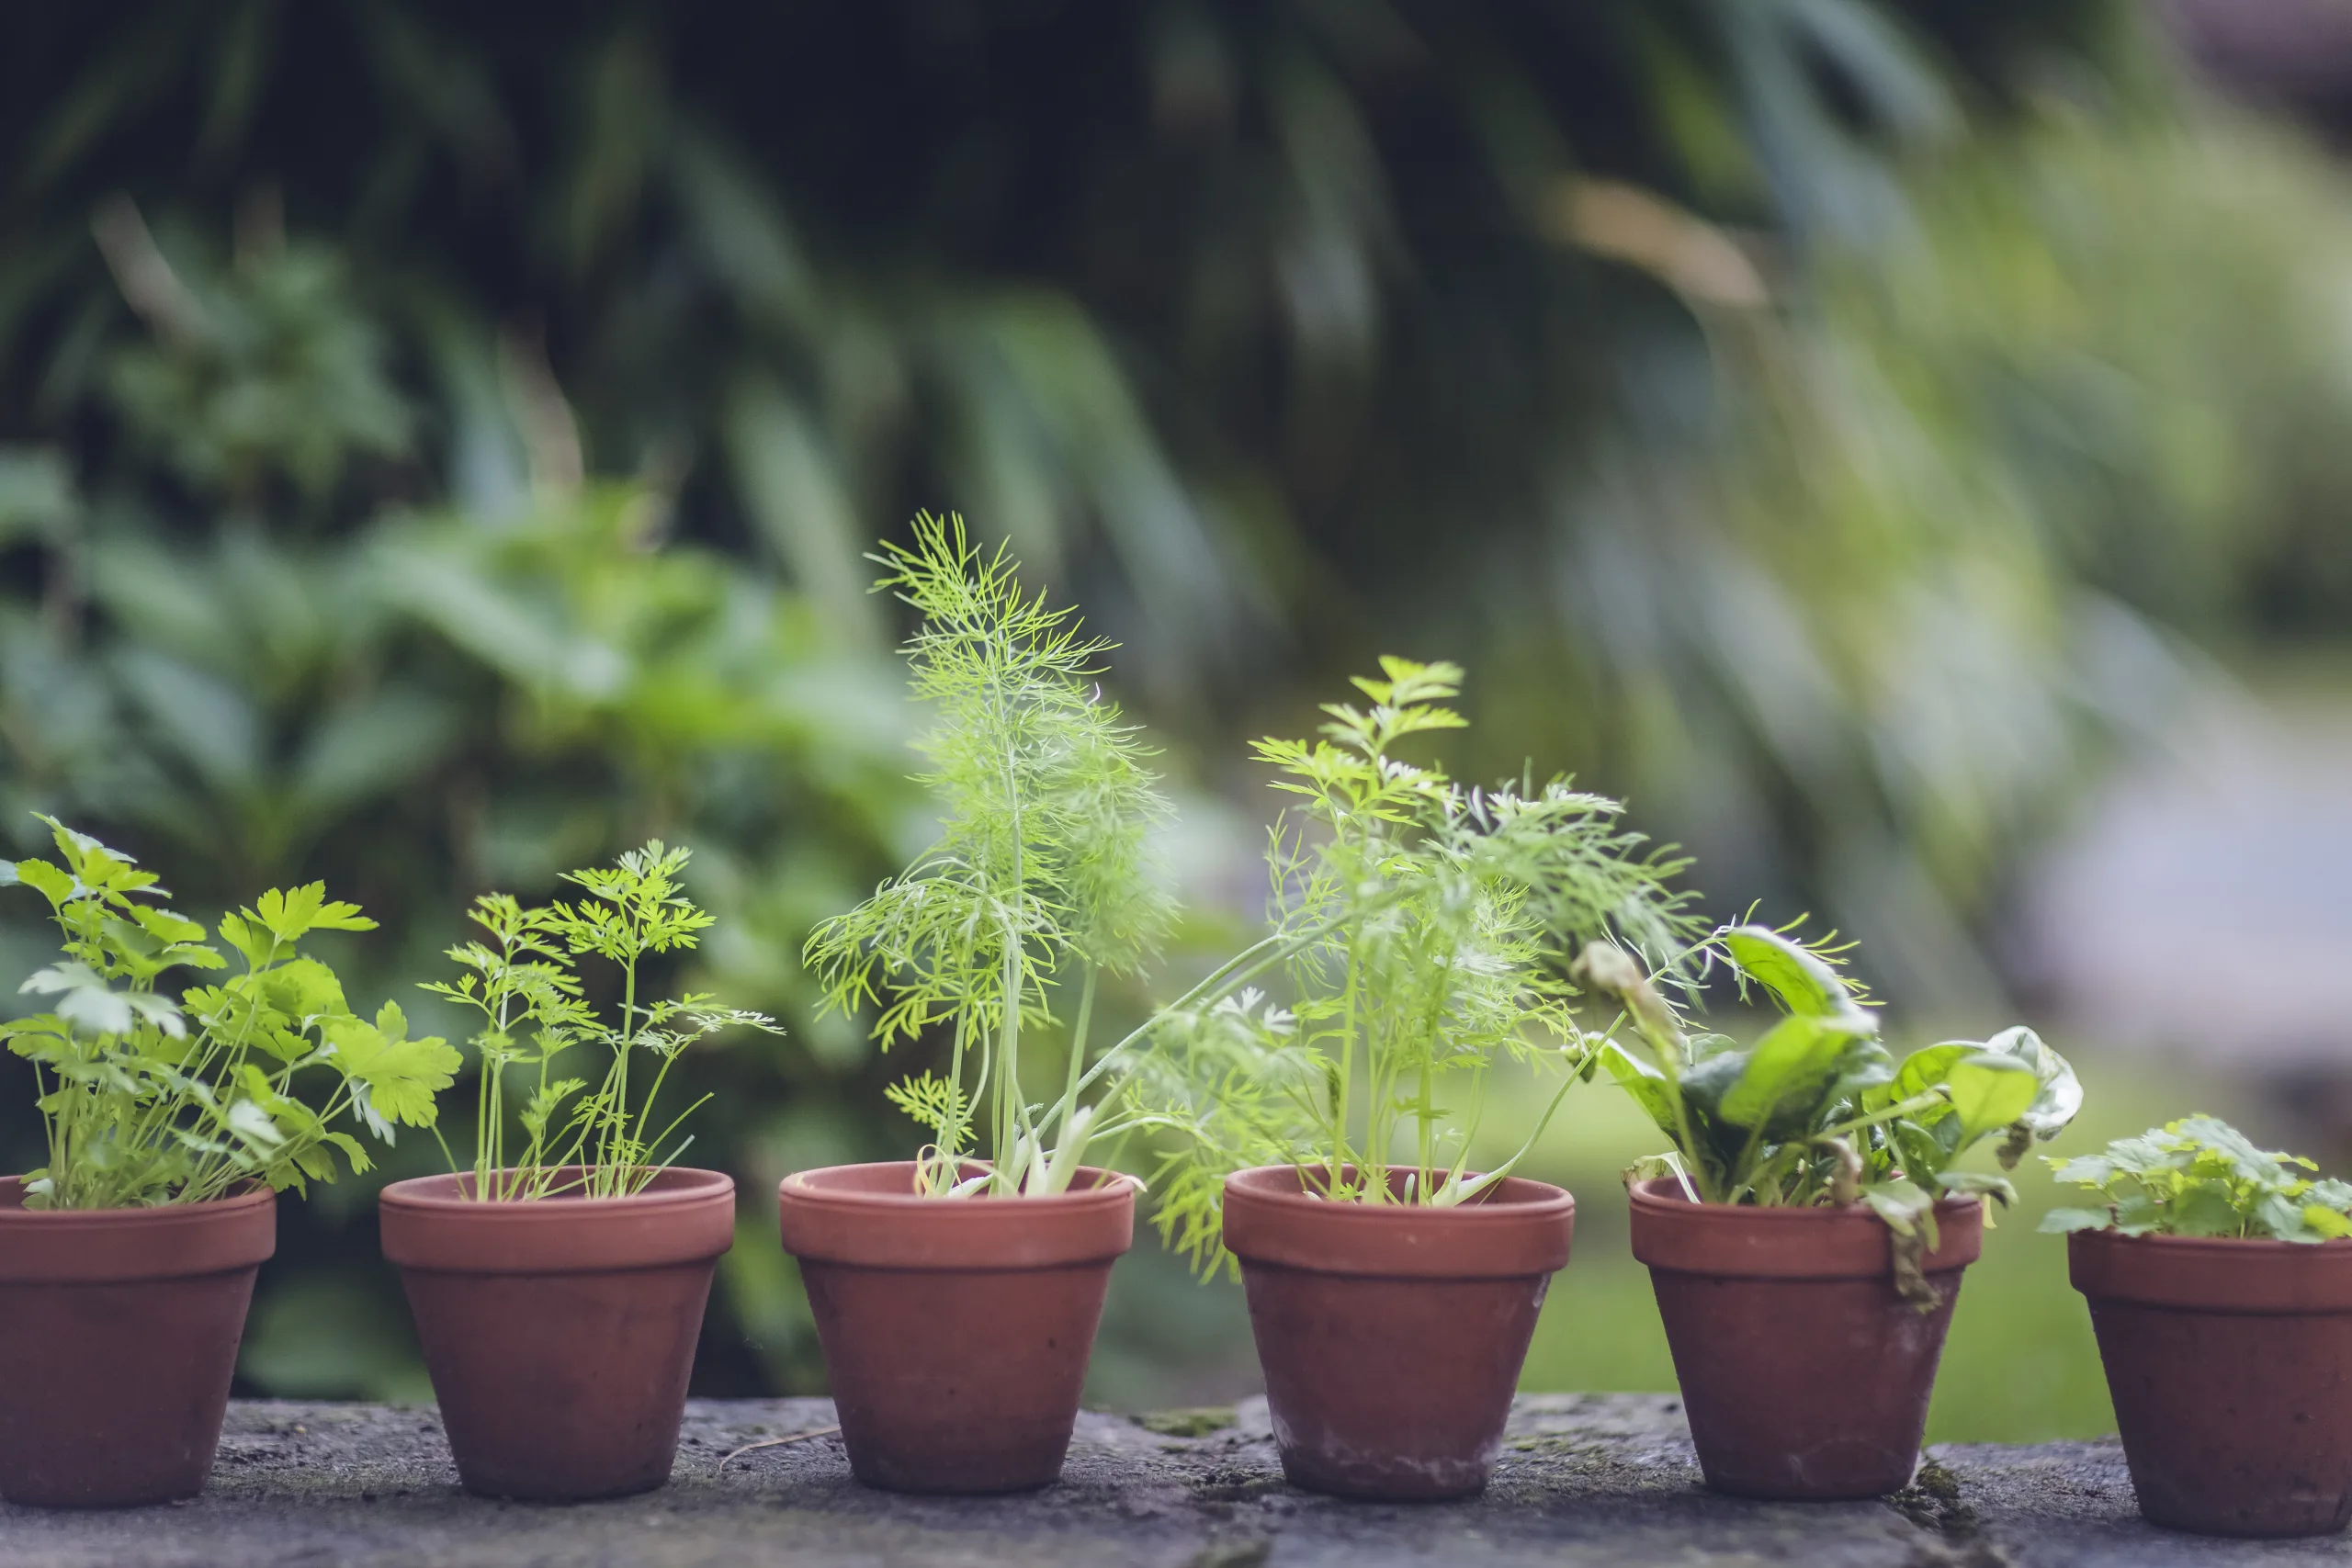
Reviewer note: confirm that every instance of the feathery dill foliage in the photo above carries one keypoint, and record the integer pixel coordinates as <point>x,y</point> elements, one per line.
<point>525,982</point>
<point>1424,930</point>
<point>1042,880</point>
<point>146,1100</point>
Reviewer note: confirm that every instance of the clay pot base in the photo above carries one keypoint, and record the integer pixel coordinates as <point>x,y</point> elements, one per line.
<point>1392,1335</point>
<point>1805,1374</point>
<point>955,1331</point>
<point>120,1338</point>
<point>561,1333</point>
<point>2230,1363</point>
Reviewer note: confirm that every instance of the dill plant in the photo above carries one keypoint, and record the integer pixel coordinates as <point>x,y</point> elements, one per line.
<point>523,981</point>
<point>1422,933</point>
<point>148,1101</point>
<point>1040,885</point>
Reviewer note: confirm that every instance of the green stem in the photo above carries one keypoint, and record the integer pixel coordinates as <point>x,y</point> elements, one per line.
<point>1069,1105</point>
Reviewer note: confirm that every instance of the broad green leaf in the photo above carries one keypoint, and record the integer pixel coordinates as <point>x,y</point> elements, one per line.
<point>2203,1211</point>
<point>2281,1216</point>
<point>1788,1070</point>
<point>291,913</point>
<point>2226,1142</point>
<point>250,940</point>
<point>1925,1069</point>
<point>1805,981</point>
<point>1978,1183</point>
<point>2058,1222</point>
<point>402,1077</point>
<point>2084,1170</point>
<point>1863,1073</point>
<point>2058,1096</point>
<point>254,1124</point>
<point>51,884</point>
<point>1922,1154</point>
<point>1648,1086</point>
<point>2333,1224</point>
<point>303,988</point>
<point>165,926</point>
<point>1904,1206</point>
<point>1988,1093</point>
<point>85,999</point>
<point>1909,1211</point>
<point>1705,1083</point>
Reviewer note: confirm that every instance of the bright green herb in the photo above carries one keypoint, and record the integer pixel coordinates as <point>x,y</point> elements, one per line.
<point>1423,933</point>
<point>2201,1176</point>
<point>147,1100</point>
<point>524,980</point>
<point>1817,1110</point>
<point>1040,885</point>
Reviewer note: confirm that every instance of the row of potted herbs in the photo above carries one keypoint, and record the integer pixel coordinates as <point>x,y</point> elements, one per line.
<point>1303,1113</point>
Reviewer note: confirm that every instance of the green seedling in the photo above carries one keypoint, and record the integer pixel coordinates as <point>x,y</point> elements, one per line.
<point>1041,883</point>
<point>147,1099</point>
<point>523,981</point>
<point>1421,937</point>
<point>1817,1110</point>
<point>2200,1176</point>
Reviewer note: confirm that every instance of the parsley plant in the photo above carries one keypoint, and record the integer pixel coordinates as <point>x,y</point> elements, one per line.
<point>148,1101</point>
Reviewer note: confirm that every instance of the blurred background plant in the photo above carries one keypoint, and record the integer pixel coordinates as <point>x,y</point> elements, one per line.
<point>438,444</point>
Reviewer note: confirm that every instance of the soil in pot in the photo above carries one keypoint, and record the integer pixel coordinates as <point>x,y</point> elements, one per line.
<point>121,1336</point>
<point>560,1333</point>
<point>955,1331</point>
<point>1804,1373</point>
<point>1391,1335</point>
<point>2230,1363</point>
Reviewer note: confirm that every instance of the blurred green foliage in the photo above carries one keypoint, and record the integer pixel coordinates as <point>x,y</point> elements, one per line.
<point>437,442</point>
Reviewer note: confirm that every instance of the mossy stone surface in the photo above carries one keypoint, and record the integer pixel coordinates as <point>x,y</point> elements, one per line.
<point>1598,1481</point>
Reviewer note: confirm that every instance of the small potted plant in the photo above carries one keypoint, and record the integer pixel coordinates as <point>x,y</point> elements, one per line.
<point>2220,1283</point>
<point>1806,1234</point>
<point>558,1285</point>
<point>127,1262</point>
<point>956,1294</point>
<point>1424,931</point>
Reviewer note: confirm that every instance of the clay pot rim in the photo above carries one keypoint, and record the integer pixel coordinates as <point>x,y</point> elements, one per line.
<point>688,1216</point>
<point>1776,1242</point>
<point>673,1186</point>
<point>2241,1245</point>
<point>158,1241</point>
<point>253,1195</point>
<point>2229,1274</point>
<point>882,1226</point>
<point>1109,1189</point>
<point>1522,1230</point>
<point>1663,1193</point>
<point>1271,1185</point>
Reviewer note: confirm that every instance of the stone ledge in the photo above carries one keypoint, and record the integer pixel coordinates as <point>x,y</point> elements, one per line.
<point>1599,1480</point>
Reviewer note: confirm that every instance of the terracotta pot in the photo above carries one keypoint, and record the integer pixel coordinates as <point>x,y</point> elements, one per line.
<point>1391,1335</point>
<point>955,1331</point>
<point>119,1332</point>
<point>1804,1375</point>
<point>560,1333</point>
<point>2231,1366</point>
